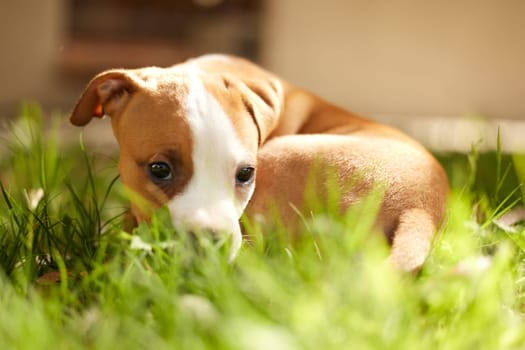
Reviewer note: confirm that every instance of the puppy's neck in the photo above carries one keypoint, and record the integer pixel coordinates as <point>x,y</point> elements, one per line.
<point>306,113</point>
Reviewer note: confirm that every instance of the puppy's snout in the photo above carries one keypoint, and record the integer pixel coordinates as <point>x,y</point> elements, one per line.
<point>218,226</point>
<point>218,238</point>
<point>212,234</point>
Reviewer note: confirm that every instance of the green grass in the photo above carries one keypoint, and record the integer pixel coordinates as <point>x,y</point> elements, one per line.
<point>330,290</point>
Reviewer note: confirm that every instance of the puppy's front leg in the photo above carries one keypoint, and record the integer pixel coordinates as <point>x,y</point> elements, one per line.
<point>412,240</point>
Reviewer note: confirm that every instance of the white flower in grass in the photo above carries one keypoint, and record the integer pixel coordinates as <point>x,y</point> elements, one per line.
<point>474,265</point>
<point>33,197</point>
<point>138,244</point>
<point>199,308</point>
<point>260,336</point>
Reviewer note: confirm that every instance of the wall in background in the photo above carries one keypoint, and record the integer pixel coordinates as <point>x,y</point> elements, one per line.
<point>404,61</point>
<point>31,41</point>
<point>403,57</point>
<point>50,49</point>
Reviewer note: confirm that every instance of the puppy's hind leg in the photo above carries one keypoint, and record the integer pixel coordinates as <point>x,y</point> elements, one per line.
<point>412,239</point>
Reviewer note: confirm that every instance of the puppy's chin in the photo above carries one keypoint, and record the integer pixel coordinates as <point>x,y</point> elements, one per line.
<point>232,233</point>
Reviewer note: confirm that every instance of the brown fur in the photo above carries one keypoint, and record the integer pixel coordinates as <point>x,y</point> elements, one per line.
<point>292,129</point>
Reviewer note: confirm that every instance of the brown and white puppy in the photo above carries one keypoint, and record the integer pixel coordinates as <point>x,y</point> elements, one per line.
<point>217,136</point>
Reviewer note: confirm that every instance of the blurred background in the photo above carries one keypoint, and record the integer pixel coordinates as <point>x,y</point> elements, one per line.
<point>448,72</point>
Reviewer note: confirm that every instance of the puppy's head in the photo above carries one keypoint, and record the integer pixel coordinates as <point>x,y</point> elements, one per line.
<point>188,136</point>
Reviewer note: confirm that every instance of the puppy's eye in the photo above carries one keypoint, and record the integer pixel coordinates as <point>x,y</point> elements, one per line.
<point>160,171</point>
<point>245,175</point>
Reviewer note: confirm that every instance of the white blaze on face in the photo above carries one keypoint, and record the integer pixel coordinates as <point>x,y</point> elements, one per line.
<point>210,200</point>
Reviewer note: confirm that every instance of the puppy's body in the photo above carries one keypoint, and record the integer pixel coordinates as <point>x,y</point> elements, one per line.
<point>213,118</point>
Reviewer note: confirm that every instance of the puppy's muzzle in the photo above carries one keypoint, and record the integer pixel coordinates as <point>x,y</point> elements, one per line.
<point>218,238</point>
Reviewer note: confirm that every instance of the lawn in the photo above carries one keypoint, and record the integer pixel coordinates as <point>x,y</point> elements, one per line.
<point>71,278</point>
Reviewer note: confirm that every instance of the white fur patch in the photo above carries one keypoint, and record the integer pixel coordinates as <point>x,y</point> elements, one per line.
<point>210,200</point>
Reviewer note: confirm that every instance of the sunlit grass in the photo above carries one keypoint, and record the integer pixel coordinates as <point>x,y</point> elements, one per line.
<point>331,289</point>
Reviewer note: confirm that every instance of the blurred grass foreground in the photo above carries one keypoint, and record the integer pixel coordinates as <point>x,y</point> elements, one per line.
<point>71,278</point>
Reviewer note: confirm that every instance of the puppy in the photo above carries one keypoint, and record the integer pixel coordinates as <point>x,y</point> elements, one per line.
<point>218,136</point>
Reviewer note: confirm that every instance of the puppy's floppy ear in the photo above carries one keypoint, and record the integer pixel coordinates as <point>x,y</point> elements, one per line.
<point>263,100</point>
<point>106,94</point>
